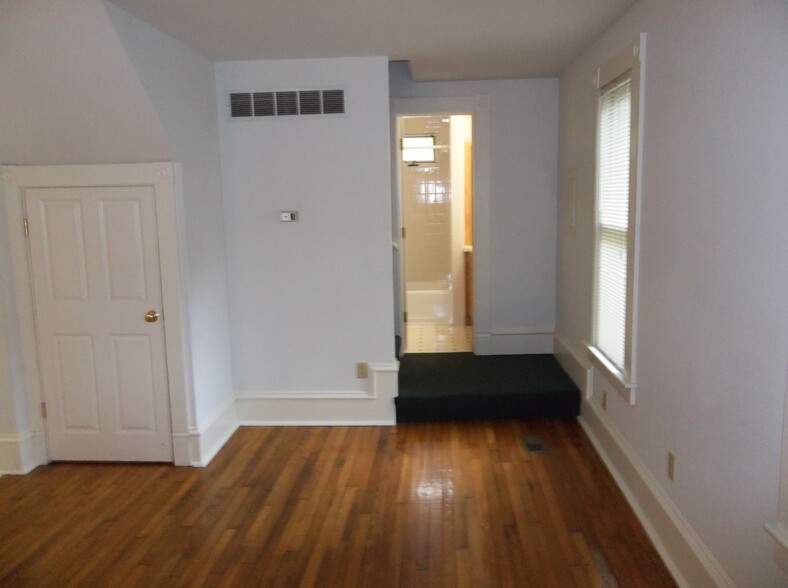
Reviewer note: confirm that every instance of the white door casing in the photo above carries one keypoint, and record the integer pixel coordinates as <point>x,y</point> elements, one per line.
<point>103,249</point>
<point>95,267</point>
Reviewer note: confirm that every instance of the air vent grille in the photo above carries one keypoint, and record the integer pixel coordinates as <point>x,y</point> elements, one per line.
<point>333,101</point>
<point>286,103</point>
<point>309,102</point>
<point>240,105</point>
<point>264,104</point>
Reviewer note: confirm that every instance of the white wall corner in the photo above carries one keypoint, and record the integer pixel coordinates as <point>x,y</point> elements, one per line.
<point>779,529</point>
<point>514,341</point>
<point>384,380</point>
<point>21,453</point>
<point>179,346</point>
<point>201,444</point>
<point>575,364</point>
<point>681,548</point>
<point>374,406</point>
<point>779,533</point>
<point>216,430</point>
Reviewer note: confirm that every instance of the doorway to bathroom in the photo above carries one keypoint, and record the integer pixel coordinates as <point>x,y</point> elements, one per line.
<point>436,198</point>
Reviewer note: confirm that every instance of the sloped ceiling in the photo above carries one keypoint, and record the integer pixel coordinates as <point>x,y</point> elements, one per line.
<point>443,39</point>
<point>69,94</point>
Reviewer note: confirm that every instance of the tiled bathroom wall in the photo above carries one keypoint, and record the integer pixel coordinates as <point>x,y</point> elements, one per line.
<point>427,207</point>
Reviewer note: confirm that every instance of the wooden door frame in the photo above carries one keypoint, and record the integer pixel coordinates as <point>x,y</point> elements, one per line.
<point>164,178</point>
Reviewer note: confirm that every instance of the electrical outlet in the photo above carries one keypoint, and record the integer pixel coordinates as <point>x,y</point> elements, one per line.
<point>362,370</point>
<point>671,466</point>
<point>604,401</point>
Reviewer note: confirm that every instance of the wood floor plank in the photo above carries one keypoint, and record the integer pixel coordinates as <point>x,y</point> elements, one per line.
<point>434,504</point>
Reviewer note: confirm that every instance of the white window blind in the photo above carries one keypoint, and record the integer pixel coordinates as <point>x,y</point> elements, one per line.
<point>612,238</point>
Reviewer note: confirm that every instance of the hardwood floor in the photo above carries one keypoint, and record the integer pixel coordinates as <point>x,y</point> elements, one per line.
<point>438,504</point>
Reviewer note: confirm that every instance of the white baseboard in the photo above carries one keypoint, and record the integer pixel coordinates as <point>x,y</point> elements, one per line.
<point>185,449</point>
<point>681,548</point>
<point>304,395</point>
<point>314,412</point>
<point>333,423</point>
<point>198,447</point>
<point>373,406</point>
<point>514,341</point>
<point>21,453</point>
<point>216,430</point>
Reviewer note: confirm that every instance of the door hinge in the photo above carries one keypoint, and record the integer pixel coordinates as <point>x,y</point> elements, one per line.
<point>405,316</point>
<point>43,410</point>
<point>26,227</point>
<point>403,232</point>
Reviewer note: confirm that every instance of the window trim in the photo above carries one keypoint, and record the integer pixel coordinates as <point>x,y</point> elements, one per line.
<point>628,62</point>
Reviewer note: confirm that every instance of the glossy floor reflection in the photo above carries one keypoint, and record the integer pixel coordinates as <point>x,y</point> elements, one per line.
<point>438,339</point>
<point>417,506</point>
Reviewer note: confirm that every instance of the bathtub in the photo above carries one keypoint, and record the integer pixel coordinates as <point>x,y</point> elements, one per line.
<point>430,302</point>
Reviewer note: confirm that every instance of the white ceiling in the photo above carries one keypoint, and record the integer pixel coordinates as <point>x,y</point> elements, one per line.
<point>443,39</point>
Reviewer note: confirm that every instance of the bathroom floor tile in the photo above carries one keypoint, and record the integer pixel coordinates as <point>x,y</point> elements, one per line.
<point>438,338</point>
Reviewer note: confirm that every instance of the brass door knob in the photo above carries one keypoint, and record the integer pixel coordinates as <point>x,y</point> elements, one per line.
<point>151,316</point>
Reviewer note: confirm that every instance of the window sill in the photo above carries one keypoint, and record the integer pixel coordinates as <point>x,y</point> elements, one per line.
<point>618,379</point>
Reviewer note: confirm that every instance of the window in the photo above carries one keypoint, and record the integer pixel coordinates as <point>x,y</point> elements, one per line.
<point>612,221</point>
<point>615,271</point>
<point>418,149</point>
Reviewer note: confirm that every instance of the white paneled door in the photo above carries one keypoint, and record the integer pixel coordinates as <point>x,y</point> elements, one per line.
<point>94,260</point>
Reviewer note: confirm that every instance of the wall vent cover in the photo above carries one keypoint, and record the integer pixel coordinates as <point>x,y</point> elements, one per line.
<point>534,443</point>
<point>309,102</point>
<point>264,104</point>
<point>333,101</point>
<point>286,103</point>
<point>240,105</point>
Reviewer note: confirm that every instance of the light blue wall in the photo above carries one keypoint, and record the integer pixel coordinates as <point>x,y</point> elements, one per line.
<point>713,314</point>
<point>179,84</point>
<point>312,298</point>
<point>523,152</point>
<point>83,82</point>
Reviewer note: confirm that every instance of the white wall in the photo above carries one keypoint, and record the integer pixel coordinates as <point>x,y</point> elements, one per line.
<point>14,425</point>
<point>523,151</point>
<point>15,436</point>
<point>179,84</point>
<point>713,316</point>
<point>69,96</point>
<point>310,299</point>
<point>69,93</point>
<point>77,90</point>
<point>12,417</point>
